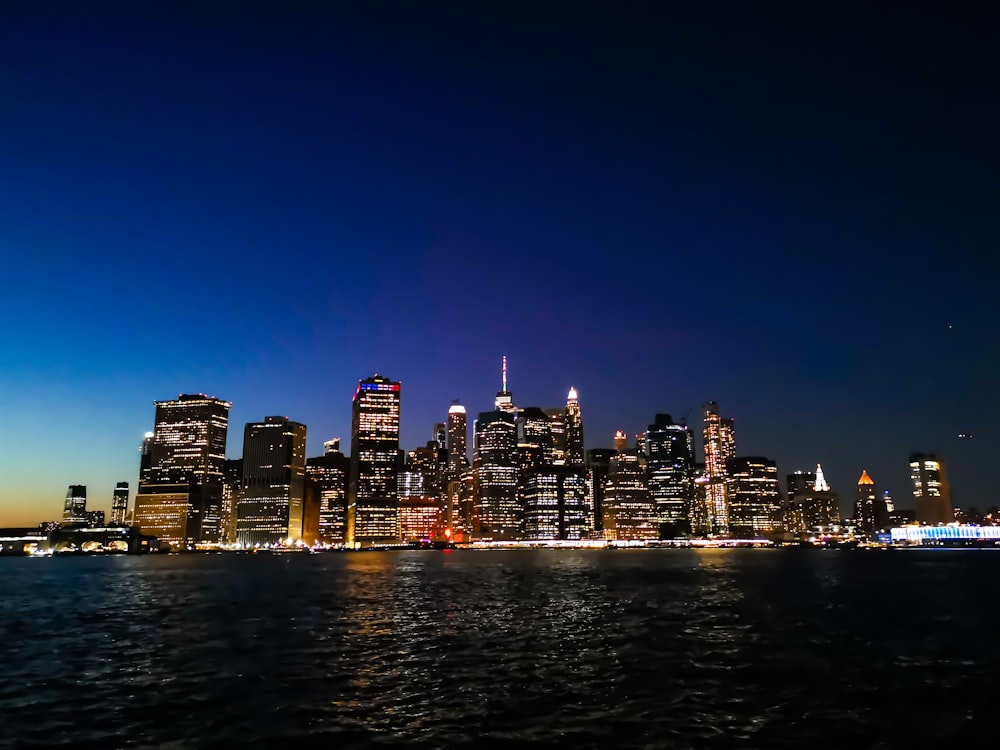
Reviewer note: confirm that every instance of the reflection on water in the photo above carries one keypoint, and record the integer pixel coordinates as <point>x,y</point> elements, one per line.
<point>687,648</point>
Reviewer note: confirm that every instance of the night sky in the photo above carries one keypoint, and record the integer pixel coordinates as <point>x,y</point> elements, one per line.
<point>791,211</point>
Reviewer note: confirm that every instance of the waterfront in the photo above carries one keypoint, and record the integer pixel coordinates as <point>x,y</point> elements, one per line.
<point>672,647</point>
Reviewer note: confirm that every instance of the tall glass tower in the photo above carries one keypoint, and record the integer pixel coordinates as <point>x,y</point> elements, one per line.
<point>373,502</point>
<point>270,509</point>
<point>75,507</point>
<point>720,447</point>
<point>119,504</point>
<point>574,429</point>
<point>670,471</point>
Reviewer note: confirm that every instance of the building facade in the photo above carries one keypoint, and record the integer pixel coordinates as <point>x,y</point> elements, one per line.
<point>75,506</point>
<point>754,497</point>
<point>373,504</point>
<point>670,473</point>
<point>720,447</point>
<point>931,491</point>
<point>119,504</point>
<point>271,505</point>
<point>331,472</point>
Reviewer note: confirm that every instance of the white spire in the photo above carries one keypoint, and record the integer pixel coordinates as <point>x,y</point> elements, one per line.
<point>821,485</point>
<point>504,374</point>
<point>572,394</point>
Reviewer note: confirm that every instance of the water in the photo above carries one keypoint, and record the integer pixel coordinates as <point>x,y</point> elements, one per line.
<point>631,648</point>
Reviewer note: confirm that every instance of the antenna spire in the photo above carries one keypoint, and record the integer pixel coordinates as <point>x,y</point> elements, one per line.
<point>504,373</point>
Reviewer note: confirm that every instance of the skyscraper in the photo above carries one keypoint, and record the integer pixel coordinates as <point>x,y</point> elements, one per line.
<point>119,504</point>
<point>555,453</point>
<point>598,466</point>
<point>620,441</point>
<point>505,399</point>
<point>754,497</point>
<point>232,486</point>
<point>810,505</point>
<point>555,502</point>
<point>373,505</point>
<point>271,505</point>
<point>931,491</point>
<point>75,507</point>
<point>670,472</point>
<point>331,472</point>
<point>458,454</point>
<point>865,505</point>
<point>628,511</point>
<point>720,446</point>
<point>574,430</point>
<point>495,471</point>
<point>534,438</point>
<point>180,493</point>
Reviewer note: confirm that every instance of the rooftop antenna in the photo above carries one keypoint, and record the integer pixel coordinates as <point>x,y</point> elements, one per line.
<point>504,373</point>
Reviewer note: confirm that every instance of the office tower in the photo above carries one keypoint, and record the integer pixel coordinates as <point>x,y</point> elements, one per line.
<point>146,456</point>
<point>720,446</point>
<point>495,468</point>
<point>373,505</point>
<point>119,504</point>
<point>232,486</point>
<point>620,441</point>
<point>598,465</point>
<point>865,504</point>
<point>458,455</point>
<point>810,505</point>
<point>628,511</point>
<point>931,491</point>
<point>555,502</point>
<point>534,438</point>
<point>574,430</point>
<point>670,472</point>
<point>311,504</point>
<point>440,435</point>
<point>698,515</point>
<point>180,493</point>
<point>270,507</point>
<point>754,497</point>
<point>556,451</point>
<point>505,399</point>
<point>459,514</point>
<point>331,472</point>
<point>75,507</point>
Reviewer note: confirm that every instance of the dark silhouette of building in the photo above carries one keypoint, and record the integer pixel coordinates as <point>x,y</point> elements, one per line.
<point>598,466</point>
<point>271,504</point>
<point>331,472</point>
<point>75,507</point>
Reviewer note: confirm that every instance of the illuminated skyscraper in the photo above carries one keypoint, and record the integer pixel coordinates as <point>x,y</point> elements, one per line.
<point>373,505</point>
<point>505,399</point>
<point>180,493</point>
<point>670,472</point>
<point>810,505</point>
<point>232,485</point>
<point>331,472</point>
<point>754,497</point>
<point>555,502</point>
<point>720,447</point>
<point>495,471</point>
<point>534,438</point>
<point>628,511</point>
<point>555,453</point>
<point>931,491</point>
<point>598,466</point>
<point>75,507</point>
<point>574,430</point>
<point>271,504</point>
<point>620,441</point>
<point>458,454</point>
<point>865,505</point>
<point>119,504</point>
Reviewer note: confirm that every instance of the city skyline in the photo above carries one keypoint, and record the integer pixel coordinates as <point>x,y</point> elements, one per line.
<point>789,213</point>
<point>504,401</point>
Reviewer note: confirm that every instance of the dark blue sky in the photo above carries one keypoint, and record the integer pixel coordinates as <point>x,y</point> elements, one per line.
<point>790,211</point>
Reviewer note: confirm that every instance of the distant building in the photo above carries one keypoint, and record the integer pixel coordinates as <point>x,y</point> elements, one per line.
<point>754,497</point>
<point>331,472</point>
<point>271,505</point>
<point>373,505</point>
<point>119,504</point>
<point>458,433</point>
<point>496,473</point>
<point>670,473</point>
<point>534,438</point>
<point>574,430</point>
<point>720,447</point>
<point>75,507</point>
<point>95,519</point>
<point>555,502</point>
<point>931,491</point>
<point>620,441</point>
<point>556,450</point>
<point>810,505</point>
<point>598,466</point>
<point>866,505</point>
<point>180,486</point>
<point>628,511</point>
<point>232,486</point>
